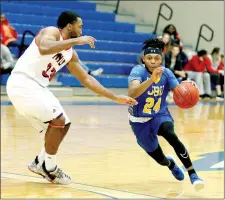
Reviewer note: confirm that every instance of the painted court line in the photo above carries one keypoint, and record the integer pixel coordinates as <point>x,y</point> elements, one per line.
<point>107,192</point>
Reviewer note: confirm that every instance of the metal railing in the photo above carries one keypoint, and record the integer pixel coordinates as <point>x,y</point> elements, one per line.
<point>160,14</point>
<point>202,36</point>
<point>117,7</point>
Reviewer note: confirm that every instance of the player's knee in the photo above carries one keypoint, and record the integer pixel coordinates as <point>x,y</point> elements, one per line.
<point>167,131</point>
<point>199,75</point>
<point>206,76</point>
<point>66,129</point>
<point>166,128</point>
<point>59,121</point>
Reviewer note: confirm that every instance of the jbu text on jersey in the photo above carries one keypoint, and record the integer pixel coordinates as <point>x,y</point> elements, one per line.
<point>156,91</point>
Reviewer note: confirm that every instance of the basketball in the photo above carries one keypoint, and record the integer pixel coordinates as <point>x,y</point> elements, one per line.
<point>186,95</point>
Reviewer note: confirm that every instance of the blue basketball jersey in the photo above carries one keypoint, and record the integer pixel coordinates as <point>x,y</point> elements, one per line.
<point>153,100</point>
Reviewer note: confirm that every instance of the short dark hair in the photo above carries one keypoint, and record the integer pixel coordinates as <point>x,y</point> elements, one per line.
<point>202,53</point>
<point>153,43</point>
<point>215,50</point>
<point>66,17</point>
<point>175,45</point>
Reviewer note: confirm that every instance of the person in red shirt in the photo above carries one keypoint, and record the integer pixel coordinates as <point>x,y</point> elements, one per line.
<point>212,65</point>
<point>221,71</point>
<point>196,70</point>
<point>9,35</point>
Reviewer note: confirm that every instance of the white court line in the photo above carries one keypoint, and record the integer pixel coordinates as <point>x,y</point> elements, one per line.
<point>218,165</point>
<point>114,194</point>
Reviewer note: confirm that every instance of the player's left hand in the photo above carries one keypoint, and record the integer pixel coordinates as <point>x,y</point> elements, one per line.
<point>122,99</point>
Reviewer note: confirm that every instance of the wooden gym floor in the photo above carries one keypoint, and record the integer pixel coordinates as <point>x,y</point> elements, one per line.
<point>101,154</point>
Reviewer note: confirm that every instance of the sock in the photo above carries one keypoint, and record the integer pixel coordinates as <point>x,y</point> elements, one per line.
<point>172,164</point>
<point>50,162</point>
<point>41,156</point>
<point>191,170</point>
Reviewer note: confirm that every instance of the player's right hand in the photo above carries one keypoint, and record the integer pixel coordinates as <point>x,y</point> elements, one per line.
<point>156,74</point>
<point>122,99</point>
<point>86,40</point>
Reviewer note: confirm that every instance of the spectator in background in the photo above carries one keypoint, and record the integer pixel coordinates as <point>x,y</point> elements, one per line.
<point>9,35</point>
<point>221,71</point>
<point>213,62</point>
<point>215,57</point>
<point>7,61</point>
<point>174,61</point>
<point>196,70</point>
<point>174,35</point>
<point>166,39</point>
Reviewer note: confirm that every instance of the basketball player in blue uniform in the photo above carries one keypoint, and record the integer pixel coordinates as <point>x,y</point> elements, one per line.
<point>149,84</point>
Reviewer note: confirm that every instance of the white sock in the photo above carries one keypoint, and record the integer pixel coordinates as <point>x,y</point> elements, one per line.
<point>50,162</point>
<point>41,156</point>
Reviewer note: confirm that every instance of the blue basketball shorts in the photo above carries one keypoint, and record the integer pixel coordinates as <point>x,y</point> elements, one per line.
<point>147,133</point>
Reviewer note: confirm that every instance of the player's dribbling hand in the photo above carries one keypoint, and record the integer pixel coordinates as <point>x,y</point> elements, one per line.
<point>156,74</point>
<point>122,99</point>
<point>86,40</point>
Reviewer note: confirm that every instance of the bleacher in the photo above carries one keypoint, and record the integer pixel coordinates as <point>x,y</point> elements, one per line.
<point>117,43</point>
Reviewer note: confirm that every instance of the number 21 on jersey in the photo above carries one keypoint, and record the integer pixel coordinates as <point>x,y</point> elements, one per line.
<point>151,105</point>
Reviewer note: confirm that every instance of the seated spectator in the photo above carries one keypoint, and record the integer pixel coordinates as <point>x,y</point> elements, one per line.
<point>215,57</point>
<point>7,61</point>
<point>9,36</point>
<point>166,39</point>
<point>196,70</point>
<point>174,61</point>
<point>96,72</point>
<point>215,74</point>
<point>221,71</point>
<point>174,35</point>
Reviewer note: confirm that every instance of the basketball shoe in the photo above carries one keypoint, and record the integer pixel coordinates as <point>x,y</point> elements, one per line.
<point>196,182</point>
<point>57,176</point>
<point>177,172</point>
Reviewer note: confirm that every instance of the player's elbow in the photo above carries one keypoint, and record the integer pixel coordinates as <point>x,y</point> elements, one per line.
<point>131,93</point>
<point>43,50</point>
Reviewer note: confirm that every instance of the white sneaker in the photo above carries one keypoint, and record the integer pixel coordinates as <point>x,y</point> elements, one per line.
<point>219,98</point>
<point>196,182</point>
<point>57,176</point>
<point>35,167</point>
<point>97,72</point>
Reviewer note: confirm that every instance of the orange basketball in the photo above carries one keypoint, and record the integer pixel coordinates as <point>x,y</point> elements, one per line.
<point>186,95</point>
